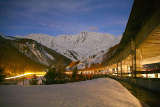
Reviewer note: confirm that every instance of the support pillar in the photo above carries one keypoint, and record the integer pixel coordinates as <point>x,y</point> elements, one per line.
<point>133,45</point>
<point>117,69</point>
<point>121,68</point>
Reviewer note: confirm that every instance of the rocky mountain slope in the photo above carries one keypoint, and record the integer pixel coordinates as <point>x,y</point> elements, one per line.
<point>20,54</point>
<point>77,47</point>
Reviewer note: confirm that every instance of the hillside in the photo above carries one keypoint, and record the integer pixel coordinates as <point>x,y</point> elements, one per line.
<point>20,55</point>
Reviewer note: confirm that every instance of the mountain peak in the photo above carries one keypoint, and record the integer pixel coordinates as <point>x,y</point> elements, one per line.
<point>77,46</point>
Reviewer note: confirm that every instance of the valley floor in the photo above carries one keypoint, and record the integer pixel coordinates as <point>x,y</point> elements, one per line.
<point>104,92</point>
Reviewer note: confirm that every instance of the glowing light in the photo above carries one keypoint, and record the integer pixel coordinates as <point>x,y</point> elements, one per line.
<point>144,75</point>
<point>25,74</point>
<point>19,76</point>
<point>158,75</point>
<point>151,75</point>
<point>129,75</point>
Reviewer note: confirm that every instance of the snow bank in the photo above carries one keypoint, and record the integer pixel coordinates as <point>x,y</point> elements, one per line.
<point>93,93</point>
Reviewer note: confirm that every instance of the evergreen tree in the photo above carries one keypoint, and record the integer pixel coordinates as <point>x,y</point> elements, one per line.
<point>34,80</point>
<point>53,76</point>
<point>50,76</point>
<point>74,74</point>
<point>2,76</point>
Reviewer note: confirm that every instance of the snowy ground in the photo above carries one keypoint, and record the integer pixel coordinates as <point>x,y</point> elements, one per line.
<point>93,93</point>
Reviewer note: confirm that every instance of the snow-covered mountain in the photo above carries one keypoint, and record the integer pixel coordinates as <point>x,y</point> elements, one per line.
<point>19,52</point>
<point>79,46</point>
<point>38,52</point>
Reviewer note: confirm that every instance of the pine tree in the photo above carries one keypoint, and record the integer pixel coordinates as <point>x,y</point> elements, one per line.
<point>2,76</point>
<point>34,80</point>
<point>74,74</point>
<point>50,76</point>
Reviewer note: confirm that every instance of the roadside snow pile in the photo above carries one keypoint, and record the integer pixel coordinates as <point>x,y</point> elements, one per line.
<point>93,93</point>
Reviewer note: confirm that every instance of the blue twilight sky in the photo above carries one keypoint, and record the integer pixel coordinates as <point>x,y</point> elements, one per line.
<point>54,17</point>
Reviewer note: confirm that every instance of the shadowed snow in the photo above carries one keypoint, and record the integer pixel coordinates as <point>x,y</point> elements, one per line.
<point>93,93</point>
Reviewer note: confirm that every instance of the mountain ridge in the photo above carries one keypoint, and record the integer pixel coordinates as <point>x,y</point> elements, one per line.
<point>19,54</point>
<point>76,47</point>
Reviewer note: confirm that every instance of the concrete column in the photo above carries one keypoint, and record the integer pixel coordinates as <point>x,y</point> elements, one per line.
<point>133,57</point>
<point>121,68</point>
<point>117,68</point>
